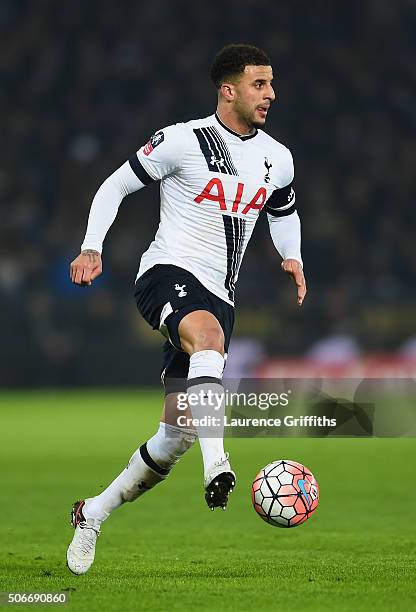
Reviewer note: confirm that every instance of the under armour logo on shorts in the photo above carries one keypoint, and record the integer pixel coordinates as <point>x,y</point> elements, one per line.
<point>180,288</point>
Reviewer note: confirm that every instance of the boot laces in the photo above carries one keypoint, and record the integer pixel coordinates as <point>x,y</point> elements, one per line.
<point>220,461</point>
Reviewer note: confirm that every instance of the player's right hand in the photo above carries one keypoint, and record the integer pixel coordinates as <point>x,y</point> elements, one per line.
<point>86,267</point>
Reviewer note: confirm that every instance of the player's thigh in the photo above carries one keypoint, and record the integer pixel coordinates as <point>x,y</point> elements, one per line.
<point>200,330</point>
<point>165,294</point>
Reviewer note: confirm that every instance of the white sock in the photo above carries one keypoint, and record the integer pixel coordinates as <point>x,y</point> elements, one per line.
<point>205,374</point>
<point>149,465</point>
<point>169,444</point>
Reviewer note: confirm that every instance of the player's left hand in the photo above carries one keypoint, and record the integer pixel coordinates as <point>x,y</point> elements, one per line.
<point>294,269</point>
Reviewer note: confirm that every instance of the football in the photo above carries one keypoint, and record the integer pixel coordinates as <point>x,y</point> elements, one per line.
<point>285,493</point>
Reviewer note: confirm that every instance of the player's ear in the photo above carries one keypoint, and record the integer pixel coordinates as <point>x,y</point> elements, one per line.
<point>227,91</point>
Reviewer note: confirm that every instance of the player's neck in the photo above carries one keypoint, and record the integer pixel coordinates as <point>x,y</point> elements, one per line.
<point>234,122</point>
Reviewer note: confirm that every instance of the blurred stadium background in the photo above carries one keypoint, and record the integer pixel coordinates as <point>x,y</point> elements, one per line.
<point>84,84</point>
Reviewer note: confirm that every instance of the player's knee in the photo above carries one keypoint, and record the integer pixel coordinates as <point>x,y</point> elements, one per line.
<point>186,440</point>
<point>209,338</point>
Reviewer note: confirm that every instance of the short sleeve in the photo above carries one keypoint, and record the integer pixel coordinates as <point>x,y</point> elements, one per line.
<point>161,155</point>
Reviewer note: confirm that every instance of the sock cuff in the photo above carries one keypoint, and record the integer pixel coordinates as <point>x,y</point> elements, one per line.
<point>206,363</point>
<point>144,453</point>
<point>98,517</point>
<point>203,380</point>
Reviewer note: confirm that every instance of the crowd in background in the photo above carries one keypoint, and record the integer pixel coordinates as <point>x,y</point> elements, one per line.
<point>84,84</point>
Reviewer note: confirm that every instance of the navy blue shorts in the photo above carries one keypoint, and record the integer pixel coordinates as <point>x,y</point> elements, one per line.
<point>165,294</point>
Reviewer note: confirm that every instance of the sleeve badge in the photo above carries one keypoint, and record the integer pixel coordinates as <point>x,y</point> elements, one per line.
<point>154,141</point>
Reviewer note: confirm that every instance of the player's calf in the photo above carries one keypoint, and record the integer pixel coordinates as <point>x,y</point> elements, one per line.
<point>150,464</point>
<point>206,396</point>
<point>153,461</point>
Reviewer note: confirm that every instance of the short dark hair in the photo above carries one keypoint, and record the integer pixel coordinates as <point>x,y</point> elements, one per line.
<point>232,60</point>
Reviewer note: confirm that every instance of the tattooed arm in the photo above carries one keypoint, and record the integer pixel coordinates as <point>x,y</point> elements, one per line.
<point>88,265</point>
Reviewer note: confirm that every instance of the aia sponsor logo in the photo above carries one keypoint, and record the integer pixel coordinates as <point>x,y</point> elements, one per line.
<point>214,192</point>
<point>154,141</point>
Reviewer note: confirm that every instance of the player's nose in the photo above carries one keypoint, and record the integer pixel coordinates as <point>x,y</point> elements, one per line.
<point>270,94</point>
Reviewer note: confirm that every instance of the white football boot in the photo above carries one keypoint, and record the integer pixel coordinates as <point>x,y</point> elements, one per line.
<point>81,552</point>
<point>219,482</point>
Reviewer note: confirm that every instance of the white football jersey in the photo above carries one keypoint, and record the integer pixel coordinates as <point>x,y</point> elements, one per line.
<point>213,185</point>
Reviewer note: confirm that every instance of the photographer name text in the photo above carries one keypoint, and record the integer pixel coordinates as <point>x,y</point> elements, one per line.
<point>287,421</point>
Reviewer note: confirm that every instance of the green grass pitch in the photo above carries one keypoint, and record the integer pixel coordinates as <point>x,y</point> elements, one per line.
<point>167,551</point>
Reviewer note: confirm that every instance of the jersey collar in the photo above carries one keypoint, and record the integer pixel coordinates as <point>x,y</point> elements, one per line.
<point>236,133</point>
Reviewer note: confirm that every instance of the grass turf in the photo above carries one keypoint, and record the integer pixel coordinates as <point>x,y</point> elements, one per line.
<point>167,551</point>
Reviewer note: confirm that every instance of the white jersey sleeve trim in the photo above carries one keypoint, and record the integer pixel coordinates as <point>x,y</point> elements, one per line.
<point>286,235</point>
<point>106,203</point>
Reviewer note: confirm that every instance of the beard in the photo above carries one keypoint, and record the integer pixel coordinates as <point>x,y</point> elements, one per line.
<point>249,116</point>
<point>258,123</point>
